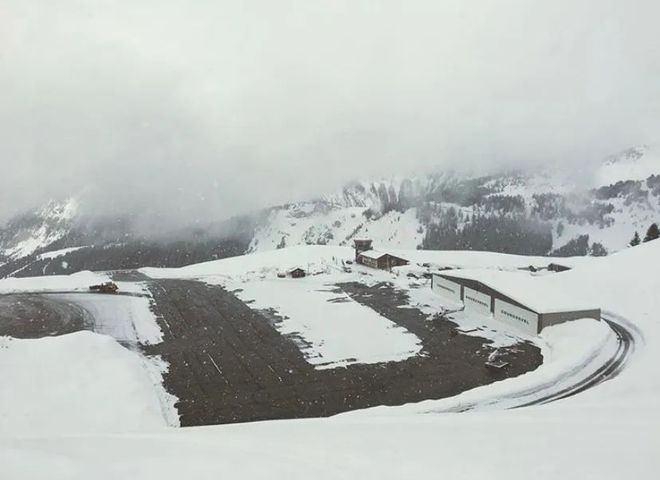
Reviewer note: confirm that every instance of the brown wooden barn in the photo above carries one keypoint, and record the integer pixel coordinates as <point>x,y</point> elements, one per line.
<point>381,260</point>
<point>296,272</point>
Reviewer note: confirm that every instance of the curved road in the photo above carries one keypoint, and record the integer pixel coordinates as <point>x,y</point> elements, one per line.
<point>574,381</point>
<point>609,369</point>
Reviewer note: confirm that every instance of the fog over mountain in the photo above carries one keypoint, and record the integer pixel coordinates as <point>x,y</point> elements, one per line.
<point>195,111</point>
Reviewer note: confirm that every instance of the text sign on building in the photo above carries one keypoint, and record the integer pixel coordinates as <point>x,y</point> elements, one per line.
<point>447,289</point>
<point>476,302</point>
<point>518,317</point>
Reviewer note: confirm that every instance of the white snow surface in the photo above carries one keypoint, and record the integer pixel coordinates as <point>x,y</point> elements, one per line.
<point>81,382</point>
<point>79,281</point>
<point>609,432</point>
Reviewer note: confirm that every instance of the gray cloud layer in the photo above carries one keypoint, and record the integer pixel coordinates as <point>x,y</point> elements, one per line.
<point>207,109</point>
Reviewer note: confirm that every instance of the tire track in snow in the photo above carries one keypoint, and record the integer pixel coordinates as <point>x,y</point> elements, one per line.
<point>572,383</point>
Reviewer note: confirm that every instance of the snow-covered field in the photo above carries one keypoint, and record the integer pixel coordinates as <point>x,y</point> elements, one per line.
<point>610,431</point>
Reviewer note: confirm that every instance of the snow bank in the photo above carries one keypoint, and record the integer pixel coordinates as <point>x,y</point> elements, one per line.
<point>81,382</point>
<point>76,281</point>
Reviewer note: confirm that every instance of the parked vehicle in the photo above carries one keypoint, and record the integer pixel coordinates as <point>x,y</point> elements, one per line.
<point>107,287</point>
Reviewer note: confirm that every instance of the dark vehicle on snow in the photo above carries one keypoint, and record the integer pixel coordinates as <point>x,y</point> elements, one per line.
<point>107,287</point>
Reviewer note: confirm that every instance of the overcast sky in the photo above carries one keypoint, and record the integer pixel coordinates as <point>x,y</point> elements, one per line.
<point>209,108</point>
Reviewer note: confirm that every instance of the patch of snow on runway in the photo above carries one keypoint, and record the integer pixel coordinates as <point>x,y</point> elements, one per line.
<point>335,330</point>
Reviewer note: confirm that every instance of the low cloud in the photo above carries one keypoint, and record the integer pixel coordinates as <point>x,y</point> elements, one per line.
<point>195,111</point>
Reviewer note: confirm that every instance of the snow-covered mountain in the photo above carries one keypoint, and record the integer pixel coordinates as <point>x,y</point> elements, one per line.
<point>523,212</point>
<point>61,238</point>
<point>516,212</point>
<point>28,233</point>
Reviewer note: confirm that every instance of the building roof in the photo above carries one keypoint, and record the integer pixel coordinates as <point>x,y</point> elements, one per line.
<point>373,254</point>
<point>536,293</point>
<point>293,269</point>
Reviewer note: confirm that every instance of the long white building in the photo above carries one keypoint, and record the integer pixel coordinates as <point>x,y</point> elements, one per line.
<point>514,299</point>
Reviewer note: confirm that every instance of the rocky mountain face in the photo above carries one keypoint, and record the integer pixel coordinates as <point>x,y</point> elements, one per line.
<point>541,212</point>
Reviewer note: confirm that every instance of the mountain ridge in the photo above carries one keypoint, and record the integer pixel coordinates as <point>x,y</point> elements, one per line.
<point>526,212</point>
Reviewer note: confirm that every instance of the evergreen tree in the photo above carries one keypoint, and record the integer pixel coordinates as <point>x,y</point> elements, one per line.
<point>577,247</point>
<point>598,250</point>
<point>635,240</point>
<point>652,233</point>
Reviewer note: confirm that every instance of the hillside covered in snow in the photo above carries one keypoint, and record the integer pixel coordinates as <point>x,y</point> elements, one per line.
<point>536,212</point>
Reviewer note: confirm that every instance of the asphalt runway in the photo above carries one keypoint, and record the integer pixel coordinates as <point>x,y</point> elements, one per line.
<point>37,316</point>
<point>229,364</point>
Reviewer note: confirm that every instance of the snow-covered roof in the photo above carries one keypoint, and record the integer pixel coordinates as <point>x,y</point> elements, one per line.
<point>536,293</point>
<point>373,254</point>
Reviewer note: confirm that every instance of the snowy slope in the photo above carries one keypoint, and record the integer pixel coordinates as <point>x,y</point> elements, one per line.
<point>27,234</point>
<point>399,212</point>
<point>338,226</point>
<point>80,382</point>
<point>637,163</point>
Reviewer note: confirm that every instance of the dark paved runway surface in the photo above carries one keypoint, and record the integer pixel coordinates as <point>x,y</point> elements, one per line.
<point>36,316</point>
<point>229,364</point>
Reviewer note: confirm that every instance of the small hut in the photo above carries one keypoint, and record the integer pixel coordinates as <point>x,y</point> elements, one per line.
<point>296,272</point>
